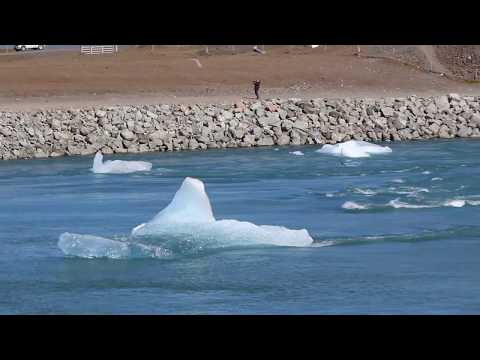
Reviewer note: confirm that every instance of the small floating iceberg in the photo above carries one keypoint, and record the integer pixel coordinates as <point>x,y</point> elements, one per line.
<point>298,153</point>
<point>455,203</point>
<point>354,149</point>
<point>118,166</point>
<point>187,225</point>
<point>351,205</point>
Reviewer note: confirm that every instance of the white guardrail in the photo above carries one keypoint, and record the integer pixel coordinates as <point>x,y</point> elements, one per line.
<point>98,49</point>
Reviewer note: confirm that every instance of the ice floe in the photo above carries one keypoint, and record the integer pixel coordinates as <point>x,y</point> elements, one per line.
<point>351,205</point>
<point>398,204</point>
<point>354,149</point>
<point>118,166</point>
<point>186,225</point>
<point>190,215</point>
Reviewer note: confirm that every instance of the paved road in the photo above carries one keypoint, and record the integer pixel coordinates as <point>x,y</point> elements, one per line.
<point>10,51</point>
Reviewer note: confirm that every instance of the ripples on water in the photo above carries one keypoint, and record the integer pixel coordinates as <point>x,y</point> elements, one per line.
<point>411,245</point>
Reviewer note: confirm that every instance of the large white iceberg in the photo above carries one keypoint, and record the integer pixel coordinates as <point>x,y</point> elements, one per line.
<point>190,216</point>
<point>186,225</point>
<point>118,166</point>
<point>354,149</point>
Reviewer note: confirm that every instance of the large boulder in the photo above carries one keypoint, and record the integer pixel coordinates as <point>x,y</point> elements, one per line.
<point>399,122</point>
<point>5,131</point>
<point>265,141</point>
<point>464,131</point>
<point>387,111</point>
<point>127,134</point>
<point>442,103</point>
<point>475,120</point>
<point>283,140</point>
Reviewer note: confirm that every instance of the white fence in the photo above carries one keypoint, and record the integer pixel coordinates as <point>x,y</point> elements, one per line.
<point>98,49</point>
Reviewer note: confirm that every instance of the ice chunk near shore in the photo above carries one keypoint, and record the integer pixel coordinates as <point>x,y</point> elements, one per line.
<point>118,166</point>
<point>298,153</point>
<point>354,149</point>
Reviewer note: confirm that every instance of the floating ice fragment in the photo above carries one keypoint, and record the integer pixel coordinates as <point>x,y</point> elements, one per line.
<point>298,153</point>
<point>455,203</point>
<point>437,179</point>
<point>351,205</point>
<point>397,204</point>
<point>118,166</point>
<point>354,149</point>
<point>190,216</point>
<point>91,247</point>
<point>366,192</point>
<point>186,225</point>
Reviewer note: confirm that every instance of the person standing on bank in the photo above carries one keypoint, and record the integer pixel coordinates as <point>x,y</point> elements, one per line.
<point>256,88</point>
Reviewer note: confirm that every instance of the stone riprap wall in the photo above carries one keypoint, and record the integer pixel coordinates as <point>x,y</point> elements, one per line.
<point>132,129</point>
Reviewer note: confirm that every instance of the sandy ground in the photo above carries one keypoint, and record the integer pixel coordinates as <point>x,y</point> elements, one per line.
<point>30,81</point>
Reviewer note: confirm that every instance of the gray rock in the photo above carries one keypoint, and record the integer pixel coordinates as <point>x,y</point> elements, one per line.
<point>237,133</point>
<point>464,132</point>
<point>475,120</point>
<point>84,130</point>
<point>434,128</point>
<point>338,137</point>
<point>444,132</point>
<point>127,134</point>
<point>431,108</point>
<point>454,97</point>
<point>100,113</point>
<point>268,121</point>
<point>387,111</point>
<point>257,132</point>
<point>286,125</point>
<point>56,124</point>
<point>151,115</point>
<point>442,103</point>
<point>309,109</point>
<point>265,141</point>
<point>193,144</point>
<point>5,131</point>
<point>227,115</point>
<point>283,140</point>
<point>300,124</point>
<point>255,106</point>
<point>399,123</point>
<point>249,139</point>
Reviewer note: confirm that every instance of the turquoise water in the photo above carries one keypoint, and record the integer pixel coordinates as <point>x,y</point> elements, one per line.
<point>384,258</point>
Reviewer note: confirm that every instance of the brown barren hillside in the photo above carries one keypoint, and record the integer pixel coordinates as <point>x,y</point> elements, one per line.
<point>187,74</point>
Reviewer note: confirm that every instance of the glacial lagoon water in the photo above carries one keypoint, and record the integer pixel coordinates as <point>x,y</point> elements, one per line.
<point>395,233</point>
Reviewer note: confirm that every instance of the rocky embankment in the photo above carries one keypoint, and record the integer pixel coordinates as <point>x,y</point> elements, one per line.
<point>132,129</point>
